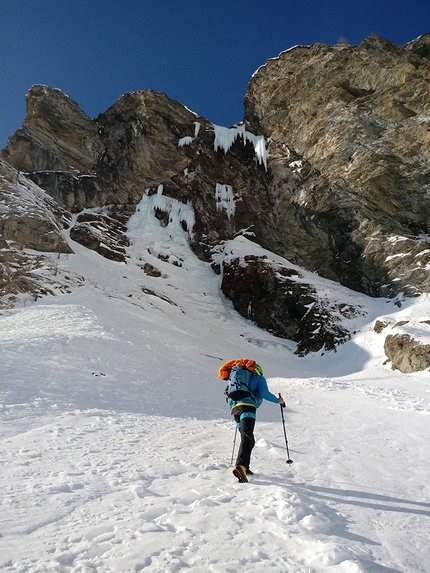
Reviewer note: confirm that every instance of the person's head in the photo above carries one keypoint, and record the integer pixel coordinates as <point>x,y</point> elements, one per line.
<point>258,370</point>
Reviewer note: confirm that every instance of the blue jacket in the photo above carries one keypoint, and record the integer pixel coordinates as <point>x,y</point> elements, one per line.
<point>258,386</point>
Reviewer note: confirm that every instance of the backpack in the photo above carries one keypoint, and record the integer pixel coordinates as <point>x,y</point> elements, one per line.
<point>239,373</point>
<point>238,384</point>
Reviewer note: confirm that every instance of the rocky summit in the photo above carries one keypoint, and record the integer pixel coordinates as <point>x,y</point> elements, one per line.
<point>329,170</point>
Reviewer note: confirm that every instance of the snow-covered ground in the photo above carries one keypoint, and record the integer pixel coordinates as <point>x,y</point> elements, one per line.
<point>116,439</point>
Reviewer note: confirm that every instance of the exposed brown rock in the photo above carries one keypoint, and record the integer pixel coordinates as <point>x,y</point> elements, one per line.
<point>56,135</point>
<point>29,217</point>
<point>358,118</point>
<point>101,233</point>
<point>270,294</point>
<point>152,271</point>
<point>380,325</point>
<point>406,354</point>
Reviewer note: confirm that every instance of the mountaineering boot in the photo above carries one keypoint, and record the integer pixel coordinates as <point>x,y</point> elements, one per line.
<point>240,473</point>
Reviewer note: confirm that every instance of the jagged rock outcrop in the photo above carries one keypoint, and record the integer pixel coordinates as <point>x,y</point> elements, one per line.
<point>27,276</point>
<point>105,234</point>
<point>56,135</point>
<point>31,223</point>
<point>349,139</point>
<point>407,354</point>
<point>143,141</point>
<point>28,216</point>
<point>274,296</point>
<point>330,169</point>
<point>406,343</point>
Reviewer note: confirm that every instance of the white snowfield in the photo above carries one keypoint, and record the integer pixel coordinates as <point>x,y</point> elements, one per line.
<point>116,439</point>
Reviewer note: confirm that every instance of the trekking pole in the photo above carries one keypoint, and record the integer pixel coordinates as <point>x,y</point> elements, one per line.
<point>234,445</point>
<point>289,460</point>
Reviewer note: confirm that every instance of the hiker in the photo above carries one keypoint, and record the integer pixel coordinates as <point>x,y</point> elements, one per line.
<point>244,409</point>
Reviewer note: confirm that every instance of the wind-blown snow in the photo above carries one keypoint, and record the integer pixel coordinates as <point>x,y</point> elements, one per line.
<point>225,137</point>
<point>116,439</point>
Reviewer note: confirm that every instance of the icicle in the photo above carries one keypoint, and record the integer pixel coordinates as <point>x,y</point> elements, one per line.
<point>225,199</point>
<point>225,137</point>
<point>187,140</point>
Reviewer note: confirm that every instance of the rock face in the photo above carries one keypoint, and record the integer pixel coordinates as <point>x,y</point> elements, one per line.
<point>143,141</point>
<point>270,294</point>
<point>330,169</point>
<point>28,216</point>
<point>407,345</point>
<point>29,219</point>
<point>407,354</point>
<point>349,138</point>
<point>102,233</point>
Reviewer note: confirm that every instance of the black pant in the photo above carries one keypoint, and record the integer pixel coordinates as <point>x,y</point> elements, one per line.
<point>246,429</point>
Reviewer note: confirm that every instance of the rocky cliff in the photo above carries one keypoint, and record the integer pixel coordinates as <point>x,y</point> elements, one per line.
<point>352,123</point>
<point>330,169</point>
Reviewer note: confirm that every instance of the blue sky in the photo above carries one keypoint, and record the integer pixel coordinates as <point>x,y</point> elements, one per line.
<point>199,52</point>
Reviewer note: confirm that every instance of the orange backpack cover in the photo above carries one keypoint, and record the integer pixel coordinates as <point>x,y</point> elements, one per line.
<point>224,371</point>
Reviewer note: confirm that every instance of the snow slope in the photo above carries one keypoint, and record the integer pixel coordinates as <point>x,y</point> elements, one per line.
<point>116,440</point>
